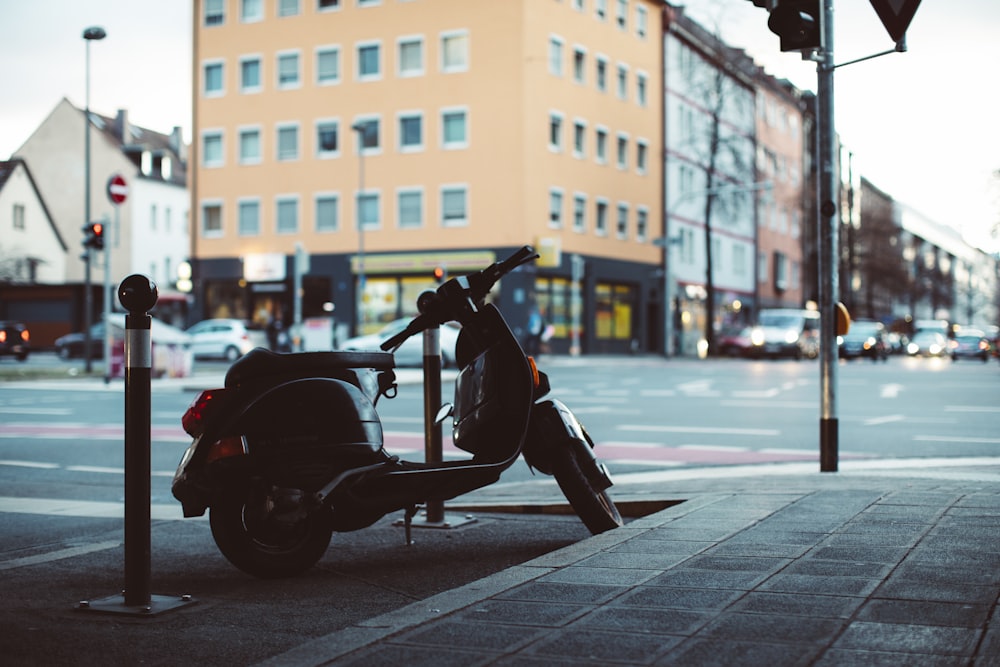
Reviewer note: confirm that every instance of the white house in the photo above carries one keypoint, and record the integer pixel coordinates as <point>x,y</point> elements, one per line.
<point>31,248</point>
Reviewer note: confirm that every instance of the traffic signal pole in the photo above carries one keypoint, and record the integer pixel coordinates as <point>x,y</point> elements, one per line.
<point>829,281</point>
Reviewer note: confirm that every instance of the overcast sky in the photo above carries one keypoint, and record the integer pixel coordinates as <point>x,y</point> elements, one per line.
<point>924,125</point>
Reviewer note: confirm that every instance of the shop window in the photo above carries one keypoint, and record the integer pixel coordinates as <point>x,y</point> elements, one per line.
<point>614,307</point>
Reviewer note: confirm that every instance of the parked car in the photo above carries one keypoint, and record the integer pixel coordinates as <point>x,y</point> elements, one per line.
<point>969,344</point>
<point>786,332</point>
<point>734,342</point>
<point>927,343</point>
<point>15,340</point>
<point>222,338</point>
<point>865,338</point>
<point>70,346</point>
<point>410,353</point>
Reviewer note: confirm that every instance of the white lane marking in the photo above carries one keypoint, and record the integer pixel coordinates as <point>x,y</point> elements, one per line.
<point>24,410</point>
<point>57,555</point>
<point>770,432</point>
<point>29,464</point>
<point>955,438</point>
<point>890,390</point>
<point>885,419</point>
<point>91,509</point>
<point>971,408</point>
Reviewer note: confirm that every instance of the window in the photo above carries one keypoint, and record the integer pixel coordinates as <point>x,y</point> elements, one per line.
<point>369,62</point>
<point>641,223</point>
<point>579,64</point>
<point>555,56</point>
<point>288,215</point>
<point>641,19</point>
<point>411,56</point>
<point>454,128</point>
<point>288,142</point>
<point>327,138</point>
<point>18,216</point>
<point>454,206</point>
<point>622,222</point>
<point>250,79</point>
<point>152,217</point>
<point>601,73</point>
<point>251,11</point>
<point>579,213</point>
<point>622,151</point>
<point>555,208</point>
<point>601,145</point>
<point>601,217</point>
<point>410,208</point>
<point>369,132</point>
<point>368,210</point>
<point>622,81</point>
<point>250,145</point>
<point>640,88</point>
<point>211,149</point>
<point>327,215</point>
<point>327,65</point>
<point>327,5</point>
<point>455,52</point>
<point>288,7</point>
<point>215,12</point>
<point>555,132</point>
<point>249,217</point>
<point>601,8</point>
<point>213,79</point>
<point>211,219</point>
<point>579,138</point>
<point>411,132</point>
<point>641,156</point>
<point>621,13</point>
<point>288,70</point>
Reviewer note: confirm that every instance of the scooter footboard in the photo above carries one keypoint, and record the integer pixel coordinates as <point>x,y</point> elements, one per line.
<point>553,425</point>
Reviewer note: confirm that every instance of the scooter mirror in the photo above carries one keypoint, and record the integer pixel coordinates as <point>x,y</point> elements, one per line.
<point>445,411</point>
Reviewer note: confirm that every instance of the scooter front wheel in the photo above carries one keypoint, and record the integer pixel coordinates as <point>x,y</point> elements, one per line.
<point>262,542</point>
<point>595,508</point>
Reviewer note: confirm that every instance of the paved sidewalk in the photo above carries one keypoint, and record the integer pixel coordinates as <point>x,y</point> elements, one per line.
<point>854,568</point>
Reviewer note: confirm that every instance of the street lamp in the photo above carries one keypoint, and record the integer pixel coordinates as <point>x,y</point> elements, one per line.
<point>360,128</point>
<point>93,33</point>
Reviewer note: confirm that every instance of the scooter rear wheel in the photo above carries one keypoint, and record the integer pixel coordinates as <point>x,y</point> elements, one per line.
<point>595,508</point>
<point>256,540</point>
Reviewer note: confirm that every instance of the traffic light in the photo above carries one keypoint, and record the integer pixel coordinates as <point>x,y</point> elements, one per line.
<point>440,274</point>
<point>796,22</point>
<point>94,236</point>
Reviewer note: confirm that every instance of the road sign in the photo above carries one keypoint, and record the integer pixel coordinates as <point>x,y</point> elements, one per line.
<point>896,15</point>
<point>117,189</point>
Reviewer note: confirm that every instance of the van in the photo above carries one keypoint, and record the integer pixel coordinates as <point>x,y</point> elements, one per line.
<point>786,332</point>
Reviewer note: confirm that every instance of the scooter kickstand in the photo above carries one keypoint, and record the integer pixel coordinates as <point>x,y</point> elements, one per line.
<point>408,515</point>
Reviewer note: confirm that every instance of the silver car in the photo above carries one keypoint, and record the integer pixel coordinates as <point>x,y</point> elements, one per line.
<point>227,339</point>
<point>410,353</point>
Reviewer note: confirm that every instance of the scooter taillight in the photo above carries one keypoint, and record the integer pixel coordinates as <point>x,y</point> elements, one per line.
<point>200,410</point>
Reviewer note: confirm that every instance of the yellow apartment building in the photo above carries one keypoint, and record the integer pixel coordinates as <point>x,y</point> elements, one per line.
<point>358,145</point>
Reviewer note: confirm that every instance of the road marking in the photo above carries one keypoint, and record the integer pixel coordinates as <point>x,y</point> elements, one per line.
<point>890,390</point>
<point>88,509</point>
<point>58,555</point>
<point>56,412</point>
<point>766,432</point>
<point>30,464</point>
<point>770,405</point>
<point>886,419</point>
<point>954,438</point>
<point>971,408</point>
<point>756,393</point>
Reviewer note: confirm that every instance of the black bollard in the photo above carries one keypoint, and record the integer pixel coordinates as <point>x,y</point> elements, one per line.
<point>138,295</point>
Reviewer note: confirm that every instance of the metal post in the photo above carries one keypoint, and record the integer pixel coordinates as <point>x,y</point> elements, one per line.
<point>107,297</point>
<point>433,446</point>
<point>828,244</point>
<point>138,295</point>
<point>359,128</point>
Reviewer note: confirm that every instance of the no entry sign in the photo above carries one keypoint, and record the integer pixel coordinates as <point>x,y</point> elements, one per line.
<point>117,189</point>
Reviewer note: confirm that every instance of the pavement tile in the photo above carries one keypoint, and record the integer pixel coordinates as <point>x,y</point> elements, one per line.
<point>777,534</point>
<point>463,634</point>
<point>389,655</point>
<point>680,598</point>
<point>601,647</point>
<point>687,578</point>
<point>731,625</point>
<point>909,638</point>
<point>645,620</point>
<point>820,585</point>
<point>837,568</point>
<point>600,575</point>
<point>630,560</point>
<point>653,546</point>
<point>930,613</point>
<point>860,554</point>
<point>988,652</point>
<point>860,658</point>
<point>716,652</point>
<point>799,604</point>
<point>937,591</point>
<point>767,549</point>
<point>738,564</point>
<point>517,612</point>
<point>548,591</point>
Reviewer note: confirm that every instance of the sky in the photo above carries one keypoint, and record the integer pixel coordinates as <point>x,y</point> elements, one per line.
<point>924,125</point>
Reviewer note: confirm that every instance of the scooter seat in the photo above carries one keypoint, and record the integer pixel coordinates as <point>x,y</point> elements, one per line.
<point>262,362</point>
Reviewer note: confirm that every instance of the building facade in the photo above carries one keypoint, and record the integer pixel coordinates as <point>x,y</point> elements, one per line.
<point>384,139</point>
<point>31,248</point>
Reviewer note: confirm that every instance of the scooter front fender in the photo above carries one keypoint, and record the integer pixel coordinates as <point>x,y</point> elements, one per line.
<point>553,425</point>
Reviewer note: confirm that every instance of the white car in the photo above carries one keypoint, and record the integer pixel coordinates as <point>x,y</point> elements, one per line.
<point>410,353</point>
<point>224,339</point>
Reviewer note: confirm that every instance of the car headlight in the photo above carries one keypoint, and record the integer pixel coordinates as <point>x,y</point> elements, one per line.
<point>757,337</point>
<point>912,348</point>
<point>791,337</point>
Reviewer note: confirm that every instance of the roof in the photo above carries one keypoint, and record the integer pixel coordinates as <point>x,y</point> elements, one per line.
<point>9,167</point>
<point>134,141</point>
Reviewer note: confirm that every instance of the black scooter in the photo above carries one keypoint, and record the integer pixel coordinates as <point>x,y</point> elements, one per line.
<point>290,450</point>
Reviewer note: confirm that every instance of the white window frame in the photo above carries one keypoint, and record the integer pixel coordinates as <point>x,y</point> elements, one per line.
<point>555,56</point>
<point>601,216</point>
<point>325,154</point>
<point>245,60</point>
<point>376,195</point>
<point>422,216</point>
<point>368,44</point>
<point>326,196</point>
<point>621,150</point>
<point>642,156</point>
<point>556,143</point>
<point>278,128</point>
<point>369,150</point>
<point>287,199</point>
<point>641,88</point>
<point>239,216</point>
<point>294,9</point>
<point>556,196</point>
<point>601,144</point>
<point>621,14</point>
<point>621,81</point>
<point>621,220</point>
<point>334,7</point>
<point>214,8</point>
<point>450,188</point>
<point>258,17</point>
<point>211,233</point>
<point>580,212</point>
<point>326,50</point>
<point>455,145</point>
<point>410,40</point>
<point>641,223</point>
<point>579,132</point>
<point>579,64</point>
<point>278,57</point>
<point>452,68</point>
<point>409,115</point>
<point>641,21</point>
<point>213,133</point>
<point>242,158</point>
<point>221,65</point>
<point>601,72</point>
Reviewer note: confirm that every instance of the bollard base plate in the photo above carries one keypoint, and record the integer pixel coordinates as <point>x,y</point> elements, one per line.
<point>447,521</point>
<point>115,604</point>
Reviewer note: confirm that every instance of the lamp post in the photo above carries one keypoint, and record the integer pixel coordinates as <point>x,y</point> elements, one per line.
<point>93,33</point>
<point>359,128</point>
